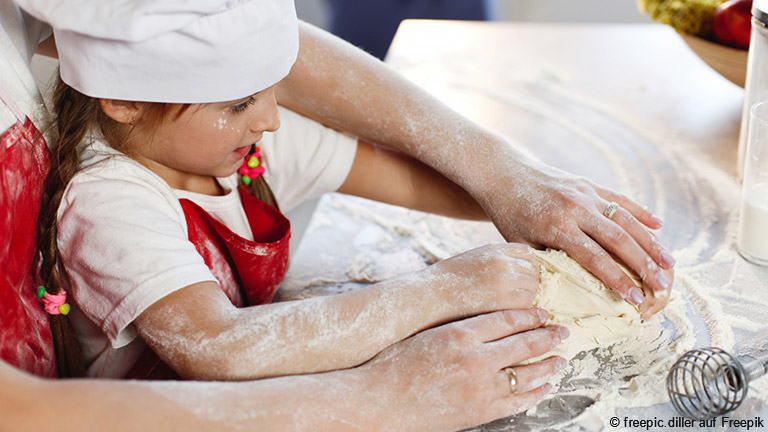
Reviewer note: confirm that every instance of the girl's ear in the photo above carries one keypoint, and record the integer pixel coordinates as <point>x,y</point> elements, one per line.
<point>121,111</point>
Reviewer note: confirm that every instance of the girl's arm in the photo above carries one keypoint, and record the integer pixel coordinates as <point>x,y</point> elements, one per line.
<point>392,177</point>
<point>341,86</point>
<point>447,378</point>
<point>200,334</point>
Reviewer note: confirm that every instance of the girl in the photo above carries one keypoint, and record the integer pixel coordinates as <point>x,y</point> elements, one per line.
<point>144,223</point>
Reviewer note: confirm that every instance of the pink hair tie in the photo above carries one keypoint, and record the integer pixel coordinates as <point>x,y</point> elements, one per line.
<point>54,304</point>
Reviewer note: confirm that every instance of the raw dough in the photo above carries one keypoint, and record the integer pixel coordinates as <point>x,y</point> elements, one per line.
<point>595,315</point>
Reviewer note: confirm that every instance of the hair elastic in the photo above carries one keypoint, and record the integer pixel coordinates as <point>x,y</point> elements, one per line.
<point>54,304</point>
<point>251,167</point>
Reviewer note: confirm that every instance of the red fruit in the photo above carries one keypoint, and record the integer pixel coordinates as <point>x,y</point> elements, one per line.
<point>732,23</point>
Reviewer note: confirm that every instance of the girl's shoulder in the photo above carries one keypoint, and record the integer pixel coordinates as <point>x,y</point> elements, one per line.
<point>107,177</point>
<point>101,163</point>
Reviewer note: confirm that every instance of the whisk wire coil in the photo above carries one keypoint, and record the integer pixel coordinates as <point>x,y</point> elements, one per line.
<point>707,382</point>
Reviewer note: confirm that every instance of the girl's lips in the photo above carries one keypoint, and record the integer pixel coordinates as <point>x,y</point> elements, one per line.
<point>241,152</point>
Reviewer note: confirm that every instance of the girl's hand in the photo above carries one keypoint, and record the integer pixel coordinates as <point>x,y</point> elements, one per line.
<point>452,377</point>
<point>544,206</point>
<point>489,278</point>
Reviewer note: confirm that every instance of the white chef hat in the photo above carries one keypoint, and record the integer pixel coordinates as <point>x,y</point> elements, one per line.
<point>179,51</point>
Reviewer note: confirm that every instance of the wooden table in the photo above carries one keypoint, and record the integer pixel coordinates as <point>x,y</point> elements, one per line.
<point>628,106</point>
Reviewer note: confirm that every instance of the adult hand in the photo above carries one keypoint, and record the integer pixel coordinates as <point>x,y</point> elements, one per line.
<point>452,377</point>
<point>543,206</point>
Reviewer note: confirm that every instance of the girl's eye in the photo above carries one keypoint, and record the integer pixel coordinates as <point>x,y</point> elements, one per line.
<point>242,106</point>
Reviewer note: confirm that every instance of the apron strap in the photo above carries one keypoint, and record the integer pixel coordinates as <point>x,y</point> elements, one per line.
<point>8,101</point>
<point>12,105</point>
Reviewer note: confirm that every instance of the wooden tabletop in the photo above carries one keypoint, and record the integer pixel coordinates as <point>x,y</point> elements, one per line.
<point>645,70</point>
<point>628,106</point>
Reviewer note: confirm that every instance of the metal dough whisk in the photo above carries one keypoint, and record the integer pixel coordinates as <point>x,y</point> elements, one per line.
<point>709,382</point>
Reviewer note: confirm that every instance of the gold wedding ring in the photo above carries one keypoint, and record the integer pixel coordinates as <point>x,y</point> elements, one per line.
<point>611,209</point>
<point>512,379</point>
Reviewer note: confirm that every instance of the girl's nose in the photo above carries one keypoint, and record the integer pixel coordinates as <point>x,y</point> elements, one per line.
<point>267,117</point>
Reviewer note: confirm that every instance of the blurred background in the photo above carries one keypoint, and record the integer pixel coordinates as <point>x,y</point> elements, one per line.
<point>370,24</point>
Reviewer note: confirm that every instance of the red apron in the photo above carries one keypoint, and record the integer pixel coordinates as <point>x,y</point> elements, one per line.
<point>249,272</point>
<point>25,337</point>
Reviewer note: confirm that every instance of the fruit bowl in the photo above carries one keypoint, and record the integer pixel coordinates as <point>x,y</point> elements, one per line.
<point>729,62</point>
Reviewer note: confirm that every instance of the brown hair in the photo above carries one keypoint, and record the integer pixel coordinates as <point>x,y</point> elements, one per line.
<point>76,115</point>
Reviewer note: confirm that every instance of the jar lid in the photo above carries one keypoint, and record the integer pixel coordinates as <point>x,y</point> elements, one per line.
<point>760,10</point>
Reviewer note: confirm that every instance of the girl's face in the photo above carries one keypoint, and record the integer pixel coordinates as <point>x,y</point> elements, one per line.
<point>207,140</point>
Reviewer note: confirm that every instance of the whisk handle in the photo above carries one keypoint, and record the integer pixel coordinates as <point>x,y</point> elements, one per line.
<point>755,365</point>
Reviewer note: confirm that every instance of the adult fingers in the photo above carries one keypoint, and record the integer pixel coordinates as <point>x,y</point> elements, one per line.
<point>646,239</point>
<point>530,376</point>
<point>532,386</point>
<point>523,346</point>
<point>616,239</point>
<point>594,258</point>
<point>496,325</point>
<point>655,300</point>
<point>639,212</point>
<point>518,402</point>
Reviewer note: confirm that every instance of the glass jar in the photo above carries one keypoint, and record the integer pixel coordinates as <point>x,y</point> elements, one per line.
<point>756,84</point>
<point>753,225</point>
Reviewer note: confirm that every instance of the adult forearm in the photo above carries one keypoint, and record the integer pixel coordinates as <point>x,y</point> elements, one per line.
<point>443,379</point>
<point>298,403</point>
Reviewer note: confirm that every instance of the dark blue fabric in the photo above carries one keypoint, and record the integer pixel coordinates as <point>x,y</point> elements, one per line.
<point>371,24</point>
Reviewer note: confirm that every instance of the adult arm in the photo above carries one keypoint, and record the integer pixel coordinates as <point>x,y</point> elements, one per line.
<point>200,334</point>
<point>392,177</point>
<point>529,202</point>
<point>446,378</point>
<point>48,48</point>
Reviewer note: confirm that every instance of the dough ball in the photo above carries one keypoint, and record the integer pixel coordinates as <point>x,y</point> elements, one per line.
<point>575,298</point>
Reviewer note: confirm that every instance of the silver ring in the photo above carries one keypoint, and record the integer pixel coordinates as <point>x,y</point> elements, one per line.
<point>611,209</point>
<point>512,379</point>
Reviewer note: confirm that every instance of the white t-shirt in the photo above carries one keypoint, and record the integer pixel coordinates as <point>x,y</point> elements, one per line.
<point>123,235</point>
<point>20,34</point>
